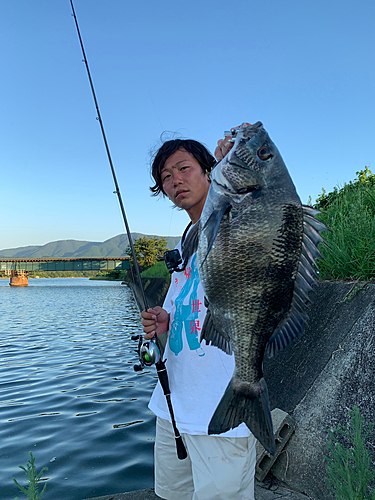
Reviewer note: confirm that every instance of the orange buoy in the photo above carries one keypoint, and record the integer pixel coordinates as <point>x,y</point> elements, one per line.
<point>19,278</point>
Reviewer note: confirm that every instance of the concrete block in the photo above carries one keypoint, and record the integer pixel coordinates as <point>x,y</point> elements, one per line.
<point>283,426</point>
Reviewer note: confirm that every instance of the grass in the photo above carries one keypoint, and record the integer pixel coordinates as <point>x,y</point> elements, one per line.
<point>159,270</point>
<point>350,214</point>
<point>349,465</point>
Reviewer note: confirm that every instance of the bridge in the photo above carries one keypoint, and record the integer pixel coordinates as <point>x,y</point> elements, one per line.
<point>18,269</point>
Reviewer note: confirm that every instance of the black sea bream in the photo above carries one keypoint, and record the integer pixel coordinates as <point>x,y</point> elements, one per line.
<point>256,254</point>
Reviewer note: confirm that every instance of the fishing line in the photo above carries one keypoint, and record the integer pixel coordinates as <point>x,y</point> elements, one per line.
<point>160,365</point>
<point>153,104</point>
<point>170,224</point>
<point>117,191</point>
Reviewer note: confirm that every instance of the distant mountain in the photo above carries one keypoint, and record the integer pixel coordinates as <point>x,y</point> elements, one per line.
<point>114,247</point>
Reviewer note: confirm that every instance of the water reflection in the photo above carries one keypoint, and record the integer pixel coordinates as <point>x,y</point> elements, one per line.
<point>68,391</point>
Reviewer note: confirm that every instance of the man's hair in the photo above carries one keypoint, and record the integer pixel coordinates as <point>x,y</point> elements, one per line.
<point>195,148</point>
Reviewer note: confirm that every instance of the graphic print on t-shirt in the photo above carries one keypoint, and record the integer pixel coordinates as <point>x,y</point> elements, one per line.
<point>186,315</point>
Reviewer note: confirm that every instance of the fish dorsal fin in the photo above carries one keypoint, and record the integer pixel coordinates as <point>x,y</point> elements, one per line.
<point>293,325</point>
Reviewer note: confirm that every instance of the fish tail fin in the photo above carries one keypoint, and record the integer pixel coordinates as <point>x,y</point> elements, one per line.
<point>252,408</point>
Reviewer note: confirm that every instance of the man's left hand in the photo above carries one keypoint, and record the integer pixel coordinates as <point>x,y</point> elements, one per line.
<point>226,144</point>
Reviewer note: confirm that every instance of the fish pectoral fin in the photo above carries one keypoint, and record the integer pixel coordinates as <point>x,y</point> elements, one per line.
<point>235,408</point>
<point>211,227</point>
<point>286,333</point>
<point>213,336</point>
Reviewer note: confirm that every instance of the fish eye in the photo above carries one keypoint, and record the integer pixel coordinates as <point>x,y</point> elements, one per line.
<point>264,153</point>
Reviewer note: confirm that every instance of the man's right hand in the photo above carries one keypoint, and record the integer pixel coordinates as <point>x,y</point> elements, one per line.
<point>155,320</point>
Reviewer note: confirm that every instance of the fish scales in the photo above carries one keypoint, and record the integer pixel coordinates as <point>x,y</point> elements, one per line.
<point>268,265</point>
<point>249,252</point>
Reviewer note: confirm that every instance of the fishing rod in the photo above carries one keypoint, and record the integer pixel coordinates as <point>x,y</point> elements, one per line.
<point>148,351</point>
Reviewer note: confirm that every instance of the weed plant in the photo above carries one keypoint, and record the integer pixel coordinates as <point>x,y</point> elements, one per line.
<point>31,489</point>
<point>349,467</point>
<point>350,214</point>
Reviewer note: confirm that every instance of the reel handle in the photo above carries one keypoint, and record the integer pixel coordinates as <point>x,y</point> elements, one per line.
<point>138,368</point>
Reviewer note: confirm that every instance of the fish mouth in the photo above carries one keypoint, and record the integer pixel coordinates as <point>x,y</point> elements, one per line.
<point>251,130</point>
<point>220,180</point>
<point>224,185</point>
<point>247,189</point>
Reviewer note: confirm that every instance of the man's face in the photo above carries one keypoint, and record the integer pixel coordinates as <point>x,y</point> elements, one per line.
<point>184,183</point>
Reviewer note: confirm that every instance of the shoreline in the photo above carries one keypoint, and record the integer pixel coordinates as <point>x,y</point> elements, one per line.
<point>270,489</point>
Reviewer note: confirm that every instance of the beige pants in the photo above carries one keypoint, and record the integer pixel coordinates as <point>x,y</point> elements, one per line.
<point>216,467</point>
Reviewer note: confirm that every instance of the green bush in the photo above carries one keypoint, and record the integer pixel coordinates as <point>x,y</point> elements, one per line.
<point>62,274</point>
<point>113,275</point>
<point>148,250</point>
<point>350,214</point>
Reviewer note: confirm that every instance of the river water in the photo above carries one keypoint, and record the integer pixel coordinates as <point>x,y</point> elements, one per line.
<point>68,390</point>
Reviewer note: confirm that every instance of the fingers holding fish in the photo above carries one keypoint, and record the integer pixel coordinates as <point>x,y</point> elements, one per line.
<point>226,144</point>
<point>223,148</point>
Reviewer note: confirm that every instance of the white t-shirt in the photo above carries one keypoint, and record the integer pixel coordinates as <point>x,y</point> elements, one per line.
<point>198,373</point>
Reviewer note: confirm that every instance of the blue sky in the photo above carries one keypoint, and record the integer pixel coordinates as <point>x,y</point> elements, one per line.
<point>197,68</point>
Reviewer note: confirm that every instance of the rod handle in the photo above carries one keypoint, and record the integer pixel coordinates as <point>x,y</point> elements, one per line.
<point>180,447</point>
<point>163,378</point>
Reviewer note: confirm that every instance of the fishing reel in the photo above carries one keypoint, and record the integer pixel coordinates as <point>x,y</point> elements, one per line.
<point>148,353</point>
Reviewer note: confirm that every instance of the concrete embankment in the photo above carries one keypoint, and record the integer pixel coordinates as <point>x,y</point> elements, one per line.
<point>328,371</point>
<point>321,376</point>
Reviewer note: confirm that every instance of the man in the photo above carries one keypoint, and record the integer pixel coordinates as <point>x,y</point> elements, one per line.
<point>218,466</point>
